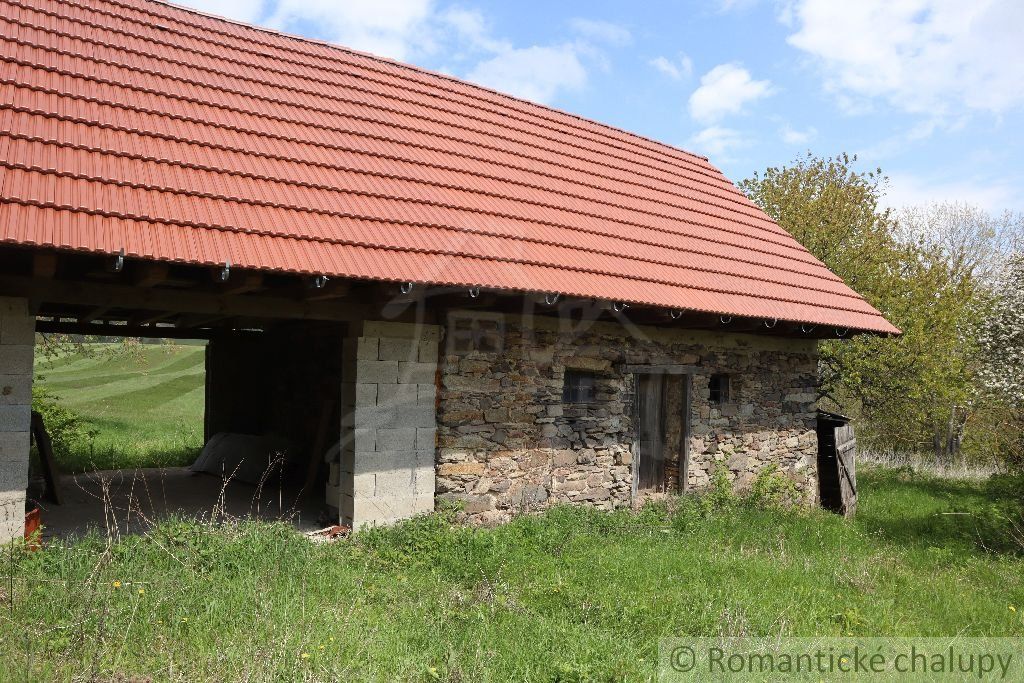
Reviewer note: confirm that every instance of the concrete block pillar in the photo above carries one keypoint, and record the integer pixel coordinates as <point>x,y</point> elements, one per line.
<point>388,424</point>
<point>17,341</point>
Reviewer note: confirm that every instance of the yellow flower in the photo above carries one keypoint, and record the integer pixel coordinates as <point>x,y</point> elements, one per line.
<point>305,655</point>
<point>331,639</point>
<point>142,591</point>
<point>1012,608</point>
<point>321,647</point>
<point>116,584</point>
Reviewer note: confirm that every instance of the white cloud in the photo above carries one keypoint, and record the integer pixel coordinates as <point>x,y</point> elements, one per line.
<point>717,142</point>
<point>390,28</point>
<point>676,70</point>
<point>925,56</point>
<point>724,90</point>
<point>472,28</point>
<point>601,31</point>
<point>534,73</point>
<point>792,136</point>
<point>249,11</point>
<point>906,189</point>
<point>409,30</point>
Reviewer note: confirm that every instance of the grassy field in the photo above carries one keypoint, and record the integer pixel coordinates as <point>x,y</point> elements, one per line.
<point>145,404</point>
<point>569,595</point>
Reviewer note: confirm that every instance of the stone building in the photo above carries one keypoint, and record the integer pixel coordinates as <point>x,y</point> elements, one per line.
<point>471,296</point>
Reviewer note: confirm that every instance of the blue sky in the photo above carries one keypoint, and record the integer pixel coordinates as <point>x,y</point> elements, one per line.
<point>931,91</point>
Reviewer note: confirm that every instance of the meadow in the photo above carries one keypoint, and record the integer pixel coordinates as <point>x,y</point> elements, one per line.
<point>143,404</point>
<point>569,595</point>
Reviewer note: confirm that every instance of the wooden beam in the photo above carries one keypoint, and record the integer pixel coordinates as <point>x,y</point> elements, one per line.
<point>246,282</point>
<point>140,320</point>
<point>331,291</point>
<point>93,314</point>
<point>44,264</point>
<point>108,330</point>
<point>151,273</point>
<point>129,297</point>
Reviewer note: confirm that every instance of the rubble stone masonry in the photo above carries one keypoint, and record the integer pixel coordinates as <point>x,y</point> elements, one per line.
<point>507,443</point>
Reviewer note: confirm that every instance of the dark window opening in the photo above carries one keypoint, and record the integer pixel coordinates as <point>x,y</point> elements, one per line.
<point>719,389</point>
<point>578,387</point>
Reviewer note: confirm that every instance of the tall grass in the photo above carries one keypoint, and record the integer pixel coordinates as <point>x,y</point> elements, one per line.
<point>572,594</point>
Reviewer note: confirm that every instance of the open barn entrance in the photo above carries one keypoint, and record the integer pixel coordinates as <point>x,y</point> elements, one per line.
<point>267,413</point>
<point>267,350</point>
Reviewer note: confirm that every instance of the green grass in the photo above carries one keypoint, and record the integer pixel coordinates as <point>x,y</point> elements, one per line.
<point>573,594</point>
<point>145,405</point>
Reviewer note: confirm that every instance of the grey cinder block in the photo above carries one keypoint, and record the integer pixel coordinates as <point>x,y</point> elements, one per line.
<point>416,373</point>
<point>398,439</point>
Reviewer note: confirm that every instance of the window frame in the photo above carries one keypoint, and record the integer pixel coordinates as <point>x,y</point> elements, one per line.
<point>581,392</point>
<point>722,394</point>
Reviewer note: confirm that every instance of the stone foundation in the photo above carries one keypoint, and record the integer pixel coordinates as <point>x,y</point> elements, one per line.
<point>17,338</point>
<point>508,443</point>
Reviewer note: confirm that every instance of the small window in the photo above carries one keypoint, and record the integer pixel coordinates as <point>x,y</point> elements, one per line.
<point>578,387</point>
<point>482,332</point>
<point>719,389</point>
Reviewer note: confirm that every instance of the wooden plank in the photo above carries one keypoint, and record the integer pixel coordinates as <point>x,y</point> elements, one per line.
<point>108,330</point>
<point>662,369</point>
<point>129,297</point>
<point>44,264</point>
<point>49,464</point>
<point>846,455</point>
<point>152,273</point>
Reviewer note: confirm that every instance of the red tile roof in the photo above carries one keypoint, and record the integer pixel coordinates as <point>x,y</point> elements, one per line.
<point>179,136</point>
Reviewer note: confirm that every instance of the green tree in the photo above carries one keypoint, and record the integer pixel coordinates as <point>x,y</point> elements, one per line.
<point>910,390</point>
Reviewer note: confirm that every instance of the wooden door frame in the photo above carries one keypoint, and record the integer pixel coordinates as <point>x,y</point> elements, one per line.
<point>684,450</point>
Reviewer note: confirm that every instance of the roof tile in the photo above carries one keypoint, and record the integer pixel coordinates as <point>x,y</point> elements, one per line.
<point>206,141</point>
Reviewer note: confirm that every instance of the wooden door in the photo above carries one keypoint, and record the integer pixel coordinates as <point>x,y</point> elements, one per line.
<point>651,423</point>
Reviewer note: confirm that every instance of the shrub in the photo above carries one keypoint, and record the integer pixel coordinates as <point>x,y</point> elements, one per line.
<point>772,489</point>
<point>67,429</point>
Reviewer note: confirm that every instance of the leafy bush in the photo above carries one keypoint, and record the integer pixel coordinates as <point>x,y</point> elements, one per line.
<point>68,430</point>
<point>772,489</point>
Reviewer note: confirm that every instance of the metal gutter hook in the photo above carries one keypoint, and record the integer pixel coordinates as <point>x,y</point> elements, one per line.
<point>320,281</point>
<point>225,272</point>
<point>619,306</point>
<point>676,313</point>
<point>405,287</point>
<point>774,322</point>
<point>842,332</point>
<point>552,299</point>
<point>119,261</point>
<point>725,319</point>
<point>805,329</point>
<point>474,292</point>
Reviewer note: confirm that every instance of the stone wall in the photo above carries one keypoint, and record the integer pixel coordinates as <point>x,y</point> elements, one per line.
<point>508,443</point>
<point>386,467</point>
<point>17,336</point>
